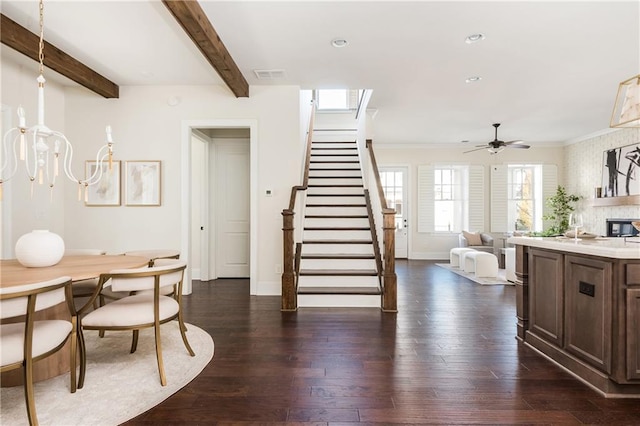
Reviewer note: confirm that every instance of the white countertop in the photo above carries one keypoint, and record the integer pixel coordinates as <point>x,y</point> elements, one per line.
<point>616,248</point>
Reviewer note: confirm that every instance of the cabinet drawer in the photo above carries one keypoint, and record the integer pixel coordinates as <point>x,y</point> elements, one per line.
<point>632,274</point>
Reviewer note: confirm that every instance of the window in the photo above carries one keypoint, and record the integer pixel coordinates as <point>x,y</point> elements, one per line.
<point>392,187</point>
<point>450,185</point>
<point>451,198</point>
<point>333,99</point>
<point>525,201</point>
<point>338,100</point>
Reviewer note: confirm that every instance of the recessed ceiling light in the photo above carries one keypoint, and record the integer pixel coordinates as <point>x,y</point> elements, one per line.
<point>473,79</point>
<point>339,42</point>
<point>474,38</point>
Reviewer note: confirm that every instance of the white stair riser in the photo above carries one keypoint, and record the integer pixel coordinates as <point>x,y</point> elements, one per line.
<point>338,222</point>
<point>336,235</point>
<point>338,301</point>
<point>336,190</point>
<point>357,180</point>
<point>335,211</point>
<point>332,151</point>
<point>351,167</point>
<point>334,156</point>
<point>341,264</point>
<point>331,142</point>
<point>321,199</point>
<point>337,248</point>
<point>337,281</point>
<point>335,173</point>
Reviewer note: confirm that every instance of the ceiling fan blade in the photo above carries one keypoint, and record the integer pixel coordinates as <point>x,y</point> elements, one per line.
<point>514,142</point>
<point>522,146</point>
<point>477,149</point>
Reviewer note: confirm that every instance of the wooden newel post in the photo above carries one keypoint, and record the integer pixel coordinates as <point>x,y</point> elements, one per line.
<point>390,280</point>
<point>289,300</point>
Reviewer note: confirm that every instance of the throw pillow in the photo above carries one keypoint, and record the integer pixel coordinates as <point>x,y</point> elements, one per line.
<point>472,238</point>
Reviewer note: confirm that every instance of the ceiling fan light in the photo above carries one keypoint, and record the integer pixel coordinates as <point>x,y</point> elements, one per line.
<point>474,38</point>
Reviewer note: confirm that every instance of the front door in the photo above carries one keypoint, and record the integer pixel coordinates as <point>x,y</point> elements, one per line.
<point>394,183</point>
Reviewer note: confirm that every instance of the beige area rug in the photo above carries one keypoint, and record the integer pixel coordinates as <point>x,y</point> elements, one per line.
<point>118,385</point>
<point>499,280</point>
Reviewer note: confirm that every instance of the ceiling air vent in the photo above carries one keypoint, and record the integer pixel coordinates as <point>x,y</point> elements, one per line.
<point>269,74</point>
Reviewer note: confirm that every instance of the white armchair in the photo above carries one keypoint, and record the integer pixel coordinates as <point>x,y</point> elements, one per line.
<point>479,241</point>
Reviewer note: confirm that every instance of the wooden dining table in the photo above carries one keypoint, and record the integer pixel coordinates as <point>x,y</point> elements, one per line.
<point>81,267</point>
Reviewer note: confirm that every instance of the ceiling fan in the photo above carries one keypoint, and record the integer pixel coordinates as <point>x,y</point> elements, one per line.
<point>495,146</point>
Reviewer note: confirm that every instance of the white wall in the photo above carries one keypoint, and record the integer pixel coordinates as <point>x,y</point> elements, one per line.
<point>583,172</point>
<point>145,127</point>
<point>437,246</point>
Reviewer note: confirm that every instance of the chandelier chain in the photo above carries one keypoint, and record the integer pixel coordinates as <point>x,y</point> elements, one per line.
<point>41,45</point>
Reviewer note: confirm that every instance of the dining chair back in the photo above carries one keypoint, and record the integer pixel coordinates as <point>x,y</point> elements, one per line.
<point>155,298</point>
<point>29,340</point>
<point>83,289</point>
<point>154,255</point>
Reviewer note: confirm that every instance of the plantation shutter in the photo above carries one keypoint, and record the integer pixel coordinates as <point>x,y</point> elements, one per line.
<point>476,190</point>
<point>499,198</point>
<point>549,186</point>
<point>425,199</point>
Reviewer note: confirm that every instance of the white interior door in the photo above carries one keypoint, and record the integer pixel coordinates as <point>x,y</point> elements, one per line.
<point>231,207</point>
<point>394,183</point>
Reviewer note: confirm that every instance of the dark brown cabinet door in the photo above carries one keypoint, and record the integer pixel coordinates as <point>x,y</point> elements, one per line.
<point>546,295</point>
<point>633,334</point>
<point>588,295</point>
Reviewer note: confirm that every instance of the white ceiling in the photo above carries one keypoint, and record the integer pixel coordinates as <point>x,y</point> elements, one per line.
<point>549,69</point>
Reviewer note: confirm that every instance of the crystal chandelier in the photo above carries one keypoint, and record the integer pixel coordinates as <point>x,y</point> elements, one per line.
<point>39,149</point>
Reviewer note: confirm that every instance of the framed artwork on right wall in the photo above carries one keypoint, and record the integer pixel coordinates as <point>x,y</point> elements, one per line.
<point>621,171</point>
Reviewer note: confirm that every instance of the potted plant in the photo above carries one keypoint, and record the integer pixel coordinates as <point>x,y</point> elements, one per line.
<point>561,205</point>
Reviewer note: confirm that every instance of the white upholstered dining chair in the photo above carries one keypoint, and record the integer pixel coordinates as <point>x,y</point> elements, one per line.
<point>155,298</point>
<point>29,340</point>
<point>83,289</point>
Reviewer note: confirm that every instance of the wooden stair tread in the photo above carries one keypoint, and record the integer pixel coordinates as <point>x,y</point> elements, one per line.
<point>337,242</point>
<point>344,185</point>
<point>334,169</point>
<point>335,195</point>
<point>328,216</point>
<point>336,205</point>
<point>340,290</point>
<point>337,228</point>
<point>354,256</point>
<point>339,272</point>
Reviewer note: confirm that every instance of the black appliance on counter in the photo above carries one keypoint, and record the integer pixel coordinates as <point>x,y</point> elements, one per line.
<point>621,228</point>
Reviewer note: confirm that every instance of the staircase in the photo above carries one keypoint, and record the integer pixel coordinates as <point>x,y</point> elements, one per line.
<point>339,255</point>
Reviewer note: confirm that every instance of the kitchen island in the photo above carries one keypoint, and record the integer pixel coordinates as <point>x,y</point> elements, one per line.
<point>578,304</point>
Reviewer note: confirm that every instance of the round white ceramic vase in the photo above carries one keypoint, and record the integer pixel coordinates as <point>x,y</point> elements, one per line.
<point>39,248</point>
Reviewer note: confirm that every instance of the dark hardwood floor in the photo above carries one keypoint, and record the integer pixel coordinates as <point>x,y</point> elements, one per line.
<point>449,356</point>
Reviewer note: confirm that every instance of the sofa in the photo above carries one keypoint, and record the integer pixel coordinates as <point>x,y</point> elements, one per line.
<point>476,240</point>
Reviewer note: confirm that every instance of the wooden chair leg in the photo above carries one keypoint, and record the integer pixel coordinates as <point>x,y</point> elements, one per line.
<point>28,391</point>
<point>163,379</point>
<point>83,357</point>
<point>183,330</point>
<point>73,355</point>
<point>134,341</point>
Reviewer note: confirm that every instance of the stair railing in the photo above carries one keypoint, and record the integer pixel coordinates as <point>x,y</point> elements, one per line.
<point>389,277</point>
<point>291,256</point>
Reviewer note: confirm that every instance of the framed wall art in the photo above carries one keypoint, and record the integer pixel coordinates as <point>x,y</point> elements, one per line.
<point>621,171</point>
<point>142,183</point>
<point>106,192</point>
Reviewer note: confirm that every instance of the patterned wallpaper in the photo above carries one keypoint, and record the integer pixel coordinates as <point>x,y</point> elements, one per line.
<point>583,172</point>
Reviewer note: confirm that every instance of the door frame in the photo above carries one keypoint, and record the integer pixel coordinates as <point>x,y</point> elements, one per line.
<point>187,128</point>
